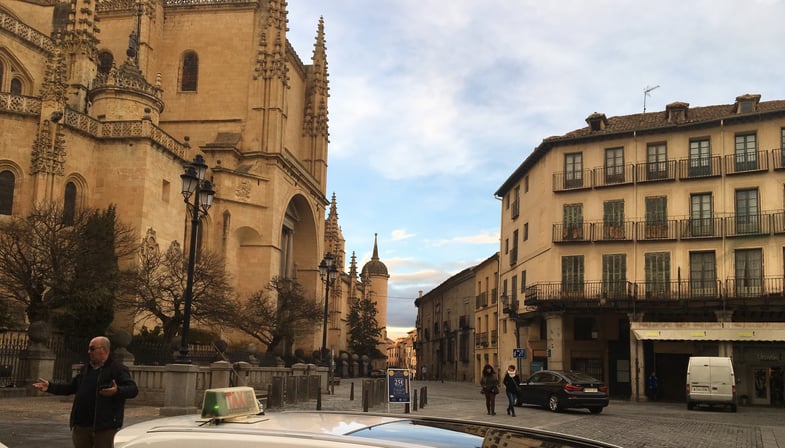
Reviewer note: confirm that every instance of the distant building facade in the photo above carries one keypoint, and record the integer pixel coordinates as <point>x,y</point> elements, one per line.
<point>445,338</point>
<point>640,240</point>
<point>486,320</point>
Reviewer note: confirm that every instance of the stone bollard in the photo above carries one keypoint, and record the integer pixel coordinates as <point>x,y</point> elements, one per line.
<point>179,389</point>
<point>220,374</point>
<point>40,360</point>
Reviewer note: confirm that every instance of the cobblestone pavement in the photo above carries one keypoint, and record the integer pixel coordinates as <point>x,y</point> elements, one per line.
<point>42,422</point>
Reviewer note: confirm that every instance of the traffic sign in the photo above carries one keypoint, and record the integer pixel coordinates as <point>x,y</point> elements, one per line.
<point>519,353</point>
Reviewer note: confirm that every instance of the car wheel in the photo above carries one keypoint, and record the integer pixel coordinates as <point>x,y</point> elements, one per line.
<point>733,408</point>
<point>554,404</point>
<point>690,405</point>
<point>595,410</point>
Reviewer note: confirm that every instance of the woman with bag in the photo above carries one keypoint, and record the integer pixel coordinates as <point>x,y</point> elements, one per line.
<point>490,387</point>
<point>511,381</point>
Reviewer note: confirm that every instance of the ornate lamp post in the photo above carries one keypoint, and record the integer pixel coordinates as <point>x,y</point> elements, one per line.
<point>329,273</point>
<point>194,184</point>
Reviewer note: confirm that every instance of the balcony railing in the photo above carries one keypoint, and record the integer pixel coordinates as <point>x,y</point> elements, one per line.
<point>607,232</point>
<point>778,222</point>
<point>730,226</point>
<point>613,175</point>
<point>748,225</point>
<point>481,340</point>
<point>481,301</point>
<point>572,232</point>
<point>655,171</point>
<point>657,231</point>
<point>697,168</point>
<point>778,157</point>
<point>608,293</point>
<point>747,162</point>
<point>576,180</point>
<point>700,228</point>
<point>755,287</point>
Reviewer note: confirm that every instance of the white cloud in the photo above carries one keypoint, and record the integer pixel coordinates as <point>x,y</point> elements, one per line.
<point>401,234</point>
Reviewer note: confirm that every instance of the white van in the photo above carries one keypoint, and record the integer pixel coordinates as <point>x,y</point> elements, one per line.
<point>710,380</point>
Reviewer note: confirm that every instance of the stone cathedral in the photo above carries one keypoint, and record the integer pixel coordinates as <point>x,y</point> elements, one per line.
<point>104,102</point>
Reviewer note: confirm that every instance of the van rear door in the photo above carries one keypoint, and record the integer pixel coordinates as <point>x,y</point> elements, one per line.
<point>721,380</point>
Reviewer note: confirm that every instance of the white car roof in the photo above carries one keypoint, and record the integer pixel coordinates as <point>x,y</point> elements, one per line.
<point>306,429</point>
<point>321,429</point>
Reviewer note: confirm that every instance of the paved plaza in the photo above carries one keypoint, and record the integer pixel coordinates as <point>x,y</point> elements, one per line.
<point>42,422</point>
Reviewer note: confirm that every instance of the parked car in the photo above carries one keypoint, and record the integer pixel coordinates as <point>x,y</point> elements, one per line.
<point>561,389</point>
<point>231,419</point>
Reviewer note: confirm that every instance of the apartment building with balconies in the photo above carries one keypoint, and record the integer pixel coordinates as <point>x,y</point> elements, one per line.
<point>637,241</point>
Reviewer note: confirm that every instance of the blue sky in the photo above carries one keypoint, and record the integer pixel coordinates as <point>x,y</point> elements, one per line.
<point>433,104</point>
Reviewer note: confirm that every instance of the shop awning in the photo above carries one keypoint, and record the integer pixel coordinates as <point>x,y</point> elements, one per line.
<point>710,334</point>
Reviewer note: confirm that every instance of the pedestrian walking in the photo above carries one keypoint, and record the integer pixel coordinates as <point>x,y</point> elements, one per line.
<point>100,390</point>
<point>490,387</point>
<point>511,382</point>
<point>652,386</point>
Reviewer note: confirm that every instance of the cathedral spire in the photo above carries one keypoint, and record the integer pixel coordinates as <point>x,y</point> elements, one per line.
<point>334,241</point>
<point>375,256</point>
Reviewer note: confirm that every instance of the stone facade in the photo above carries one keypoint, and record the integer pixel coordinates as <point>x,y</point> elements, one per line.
<point>107,101</point>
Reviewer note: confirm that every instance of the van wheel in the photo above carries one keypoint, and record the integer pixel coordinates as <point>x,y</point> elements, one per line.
<point>595,410</point>
<point>690,405</point>
<point>733,408</point>
<point>553,403</point>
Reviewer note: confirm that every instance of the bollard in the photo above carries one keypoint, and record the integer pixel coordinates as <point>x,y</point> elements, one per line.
<point>423,396</point>
<point>414,400</point>
<point>365,400</point>
<point>319,400</point>
<point>406,409</point>
<point>351,392</point>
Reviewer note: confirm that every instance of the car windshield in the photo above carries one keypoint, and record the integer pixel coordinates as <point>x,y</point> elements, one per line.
<point>440,434</point>
<point>436,435</point>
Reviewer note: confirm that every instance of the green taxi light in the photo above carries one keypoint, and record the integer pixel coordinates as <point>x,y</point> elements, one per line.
<point>229,402</point>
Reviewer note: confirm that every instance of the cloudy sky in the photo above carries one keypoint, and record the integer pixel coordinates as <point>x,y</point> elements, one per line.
<point>435,102</point>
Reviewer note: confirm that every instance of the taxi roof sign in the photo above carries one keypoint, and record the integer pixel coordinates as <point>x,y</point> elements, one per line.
<point>229,402</point>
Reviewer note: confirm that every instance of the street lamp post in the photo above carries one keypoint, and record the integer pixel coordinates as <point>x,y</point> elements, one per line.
<point>510,306</point>
<point>194,184</point>
<point>328,272</point>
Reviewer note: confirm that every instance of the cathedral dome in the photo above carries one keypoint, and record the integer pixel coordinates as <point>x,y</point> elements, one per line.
<point>374,267</point>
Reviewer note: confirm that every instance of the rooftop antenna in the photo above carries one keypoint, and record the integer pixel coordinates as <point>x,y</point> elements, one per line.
<point>646,92</point>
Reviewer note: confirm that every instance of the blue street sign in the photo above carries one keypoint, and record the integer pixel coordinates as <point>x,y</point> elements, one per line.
<point>519,353</point>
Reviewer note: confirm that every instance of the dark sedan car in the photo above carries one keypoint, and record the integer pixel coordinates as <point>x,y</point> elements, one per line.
<point>562,389</point>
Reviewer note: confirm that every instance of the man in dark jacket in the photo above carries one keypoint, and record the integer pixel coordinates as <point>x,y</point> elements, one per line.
<point>100,389</point>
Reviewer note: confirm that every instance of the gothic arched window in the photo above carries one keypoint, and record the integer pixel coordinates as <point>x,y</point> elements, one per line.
<point>7,180</point>
<point>16,86</point>
<point>69,204</point>
<point>189,74</point>
<point>105,61</point>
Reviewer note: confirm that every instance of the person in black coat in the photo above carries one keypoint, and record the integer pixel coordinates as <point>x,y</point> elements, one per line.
<point>100,390</point>
<point>511,381</point>
<point>490,387</point>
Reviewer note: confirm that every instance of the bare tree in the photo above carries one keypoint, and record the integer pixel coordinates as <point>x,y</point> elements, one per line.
<point>53,263</point>
<point>156,286</point>
<point>274,317</point>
